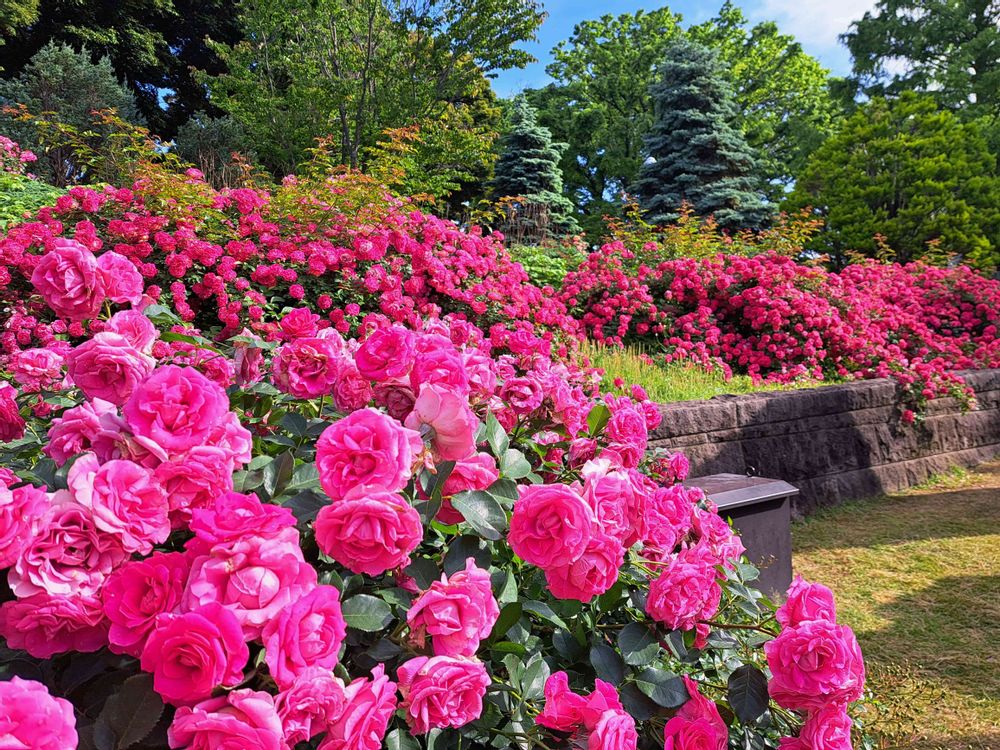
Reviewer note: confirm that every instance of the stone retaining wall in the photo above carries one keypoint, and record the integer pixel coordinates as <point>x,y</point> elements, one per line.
<point>835,442</point>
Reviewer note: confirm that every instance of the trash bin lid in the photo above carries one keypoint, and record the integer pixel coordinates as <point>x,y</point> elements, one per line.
<point>736,490</point>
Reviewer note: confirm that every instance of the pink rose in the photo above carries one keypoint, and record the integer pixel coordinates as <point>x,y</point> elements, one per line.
<point>21,510</point>
<point>34,719</point>
<point>396,398</point>
<point>309,705</point>
<point>627,425</point>
<point>11,421</point>
<point>589,575</point>
<point>697,724</point>
<point>551,525</point>
<point>191,654</point>
<point>456,612</point>
<point>139,591</point>
<point>239,720</point>
<point>233,438</point>
<point>441,367</point>
<point>806,601</point>
<point>129,503</point>
<point>69,555</point>
<point>44,625</point>
<point>368,707</point>
<point>176,408</point>
<point>248,358</point>
<point>686,591</point>
<point>717,536</point>
<point>37,367</point>
<point>828,728</point>
<point>371,534</point>
<point>231,516</point>
<point>69,280</point>
<point>351,391</point>
<point>306,368</point>
<point>108,367</point>
<point>306,633</point>
<point>523,394</point>
<point>366,451</point>
<point>75,431</point>
<point>194,480</point>
<point>480,368</point>
<point>136,328</point>
<point>300,323</point>
<point>444,416</point>
<point>122,281</point>
<point>604,698</point>
<point>815,664</point>
<point>562,709</point>
<point>615,730</point>
<point>387,354</point>
<point>667,518</point>
<point>477,472</point>
<point>441,691</point>
<point>254,577</point>
<point>617,499</point>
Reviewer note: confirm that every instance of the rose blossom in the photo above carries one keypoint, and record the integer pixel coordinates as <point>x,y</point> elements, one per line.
<point>191,654</point>
<point>370,534</point>
<point>306,633</point>
<point>615,730</point>
<point>69,280</point>
<point>617,499</point>
<point>193,481</point>
<point>37,367</point>
<point>589,575</point>
<point>441,366</point>
<point>697,725</point>
<point>523,394</point>
<point>806,601</point>
<point>309,705</point>
<point>387,354</point>
<point>176,408</point>
<point>299,323</point>
<point>815,664</point>
<point>122,281</point>
<point>445,417</point>
<point>231,516</point>
<point>828,728</point>
<point>130,504</point>
<point>75,431</point>
<point>365,450</point>
<point>108,367</point>
<point>136,328</point>
<point>351,391</point>
<point>254,577</point>
<point>441,691</point>
<point>44,625</point>
<point>667,519</point>
<point>686,591</point>
<point>368,707</point>
<point>11,421</point>
<point>248,359</point>
<point>239,720</point>
<point>20,512</point>
<point>306,368</point>
<point>562,709</point>
<point>551,525</point>
<point>456,612</point>
<point>604,698</point>
<point>33,719</point>
<point>396,398</point>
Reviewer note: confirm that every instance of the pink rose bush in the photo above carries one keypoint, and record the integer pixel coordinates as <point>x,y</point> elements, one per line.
<point>361,521</point>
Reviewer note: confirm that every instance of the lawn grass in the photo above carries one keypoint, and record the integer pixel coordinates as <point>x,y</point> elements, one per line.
<point>676,381</point>
<point>917,575</point>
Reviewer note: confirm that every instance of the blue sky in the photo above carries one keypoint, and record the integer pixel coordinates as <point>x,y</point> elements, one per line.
<point>815,23</point>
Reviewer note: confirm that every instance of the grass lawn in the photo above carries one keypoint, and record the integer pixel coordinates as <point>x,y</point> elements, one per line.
<point>917,575</point>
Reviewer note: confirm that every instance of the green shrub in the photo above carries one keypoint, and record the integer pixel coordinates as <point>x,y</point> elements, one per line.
<point>21,195</point>
<point>546,266</point>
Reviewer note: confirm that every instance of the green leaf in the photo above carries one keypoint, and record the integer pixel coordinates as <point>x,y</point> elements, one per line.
<point>638,644</point>
<point>665,688</point>
<point>509,616</point>
<point>305,477</point>
<point>544,612</point>
<point>607,663</point>
<point>482,512</point>
<point>533,679</point>
<point>508,647</point>
<point>130,714</point>
<point>747,693</point>
<point>598,418</point>
<point>496,436</point>
<point>294,423</point>
<point>514,465</point>
<point>367,613</point>
<point>464,547</point>
<point>278,473</point>
<point>637,703</point>
<point>400,739</point>
<point>306,505</point>
<point>423,571</point>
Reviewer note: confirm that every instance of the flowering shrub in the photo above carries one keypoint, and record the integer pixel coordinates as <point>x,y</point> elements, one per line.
<point>283,537</point>
<point>777,320</point>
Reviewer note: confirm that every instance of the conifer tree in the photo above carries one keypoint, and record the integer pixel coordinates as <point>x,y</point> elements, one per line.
<point>696,153</point>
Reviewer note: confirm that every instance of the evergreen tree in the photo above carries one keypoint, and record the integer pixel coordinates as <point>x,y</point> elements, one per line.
<point>528,169</point>
<point>697,154</point>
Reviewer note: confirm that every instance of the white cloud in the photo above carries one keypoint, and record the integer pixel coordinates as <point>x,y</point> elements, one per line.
<point>814,23</point>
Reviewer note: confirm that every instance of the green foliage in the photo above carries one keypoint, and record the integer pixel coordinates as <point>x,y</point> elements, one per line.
<point>68,85</point>
<point>697,154</point>
<point>528,171</point>
<point>16,13</point>
<point>546,266</point>
<point>209,143</point>
<point>905,179</point>
<point>20,195</point>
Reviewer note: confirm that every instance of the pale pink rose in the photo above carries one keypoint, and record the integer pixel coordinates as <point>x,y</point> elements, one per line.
<point>191,654</point>
<point>239,720</point>
<point>444,417</point>
<point>441,691</point>
<point>122,280</point>
<point>306,368</point>
<point>686,591</point>
<point>523,394</point>
<point>306,633</point>
<point>806,601</point>
<point>387,354</point>
<point>300,323</point>
<point>44,625</point>
<point>551,525</point>
<point>69,556</point>
<point>827,729</point>
<point>589,575</point>
<point>815,664</point>
<point>11,421</point>
<point>615,730</point>
<point>114,441</point>
<point>309,705</point>
<point>232,516</point>
<point>562,709</point>
<point>366,451</point>
<point>75,431</point>
<point>368,707</point>
<point>396,398</point>
<point>176,408</point>
<point>130,504</point>
<point>21,511</point>
<point>139,591</point>
<point>248,360</point>
<point>697,723</point>
<point>254,577</point>
<point>193,481</point>
<point>136,328</point>
<point>457,612</point>
<point>34,720</point>
<point>108,367</point>
<point>69,280</point>
<point>37,367</point>
<point>370,534</point>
